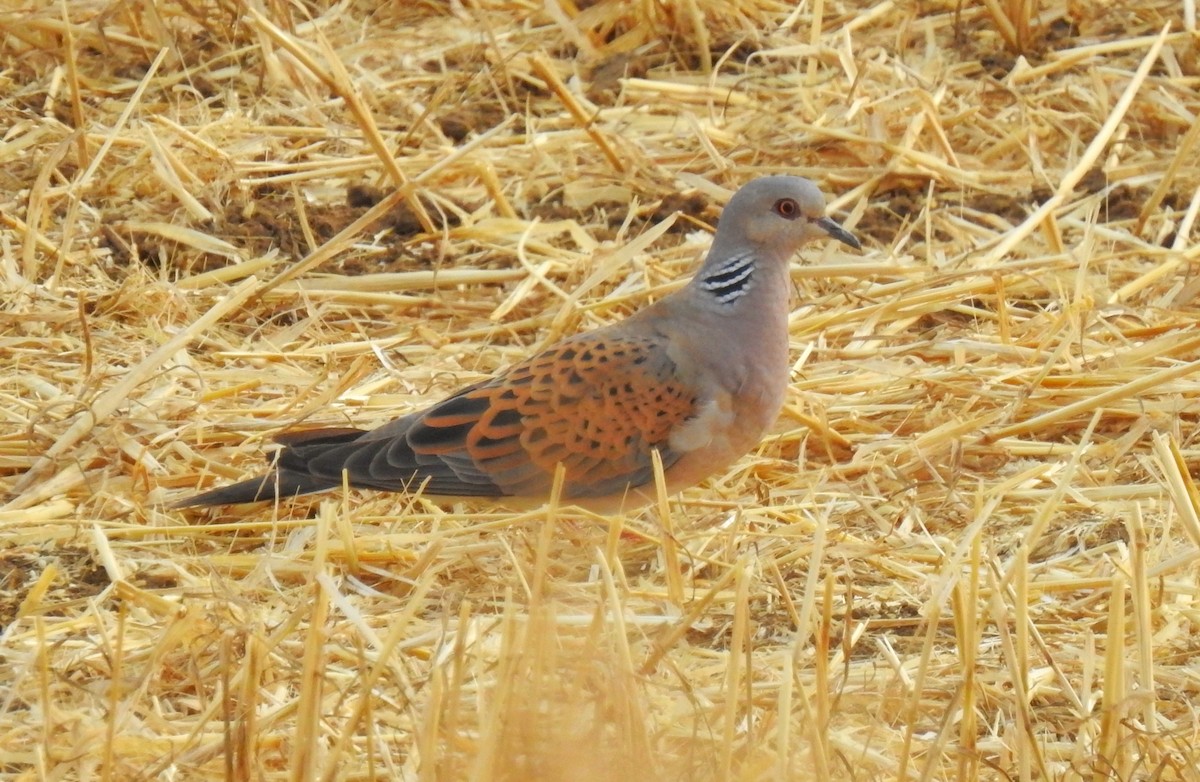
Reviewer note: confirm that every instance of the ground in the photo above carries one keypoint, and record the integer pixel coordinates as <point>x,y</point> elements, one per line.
<point>970,548</point>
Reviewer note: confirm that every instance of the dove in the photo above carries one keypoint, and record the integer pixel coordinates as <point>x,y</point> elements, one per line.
<point>699,376</point>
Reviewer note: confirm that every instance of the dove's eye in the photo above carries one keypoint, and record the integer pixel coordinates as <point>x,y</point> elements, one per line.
<point>787,208</point>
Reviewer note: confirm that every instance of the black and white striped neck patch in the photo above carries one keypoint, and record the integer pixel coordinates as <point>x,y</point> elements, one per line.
<point>732,280</point>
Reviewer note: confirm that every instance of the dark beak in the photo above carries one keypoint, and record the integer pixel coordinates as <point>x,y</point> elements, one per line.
<point>835,231</point>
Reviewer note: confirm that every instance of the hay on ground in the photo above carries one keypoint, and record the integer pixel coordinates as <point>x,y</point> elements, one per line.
<point>970,549</point>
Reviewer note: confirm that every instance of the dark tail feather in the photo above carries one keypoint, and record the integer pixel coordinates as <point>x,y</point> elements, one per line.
<point>286,481</point>
<point>267,487</point>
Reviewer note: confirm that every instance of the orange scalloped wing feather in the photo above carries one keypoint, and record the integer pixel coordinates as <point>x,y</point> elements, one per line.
<point>597,404</point>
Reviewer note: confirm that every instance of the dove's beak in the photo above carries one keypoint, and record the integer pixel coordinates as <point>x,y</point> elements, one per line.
<point>835,231</point>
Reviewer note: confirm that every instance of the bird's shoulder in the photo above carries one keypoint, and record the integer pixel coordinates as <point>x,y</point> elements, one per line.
<point>615,365</point>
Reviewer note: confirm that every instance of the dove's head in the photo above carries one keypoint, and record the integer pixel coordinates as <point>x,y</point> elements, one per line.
<point>777,215</point>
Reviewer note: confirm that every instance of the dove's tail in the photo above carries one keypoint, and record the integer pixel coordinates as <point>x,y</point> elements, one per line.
<point>280,484</point>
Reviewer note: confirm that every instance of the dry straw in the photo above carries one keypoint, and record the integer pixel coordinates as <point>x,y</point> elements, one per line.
<point>970,549</point>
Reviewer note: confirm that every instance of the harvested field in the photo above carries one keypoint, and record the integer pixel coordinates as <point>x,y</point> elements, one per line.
<point>970,549</point>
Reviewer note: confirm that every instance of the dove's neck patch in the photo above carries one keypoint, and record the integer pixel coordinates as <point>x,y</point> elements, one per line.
<point>732,280</point>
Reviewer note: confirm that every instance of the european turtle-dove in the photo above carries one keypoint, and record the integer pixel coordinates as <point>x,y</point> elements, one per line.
<point>699,375</point>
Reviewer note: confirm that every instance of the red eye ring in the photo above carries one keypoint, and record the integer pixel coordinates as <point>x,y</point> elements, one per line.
<point>787,208</point>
